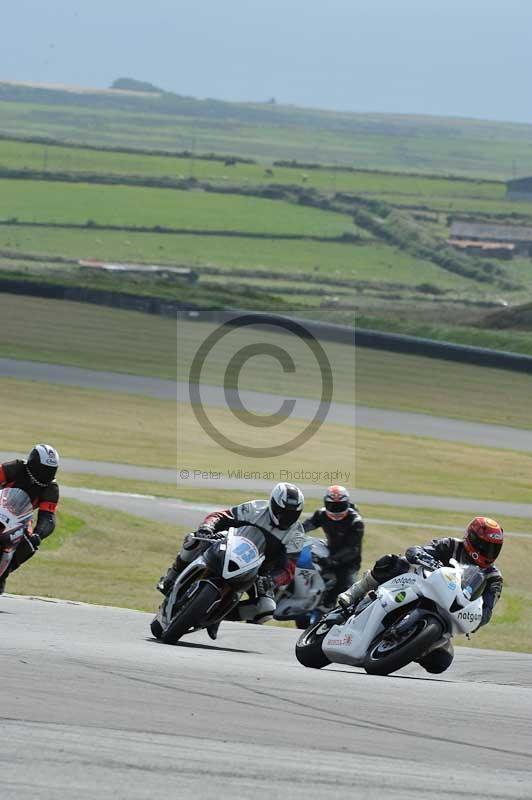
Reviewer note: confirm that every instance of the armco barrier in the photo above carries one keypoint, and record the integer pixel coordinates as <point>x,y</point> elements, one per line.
<point>377,340</point>
<point>391,342</point>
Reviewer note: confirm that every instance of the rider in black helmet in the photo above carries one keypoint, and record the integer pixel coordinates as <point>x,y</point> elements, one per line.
<point>343,526</point>
<point>36,476</point>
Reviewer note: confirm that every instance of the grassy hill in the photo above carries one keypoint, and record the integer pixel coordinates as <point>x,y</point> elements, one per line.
<point>267,131</point>
<point>331,239</point>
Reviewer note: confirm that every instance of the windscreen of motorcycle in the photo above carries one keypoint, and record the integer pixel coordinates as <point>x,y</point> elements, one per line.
<point>245,550</point>
<point>473,582</point>
<point>15,508</point>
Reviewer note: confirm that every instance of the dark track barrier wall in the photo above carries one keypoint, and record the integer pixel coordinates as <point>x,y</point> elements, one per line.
<point>397,343</point>
<point>391,342</point>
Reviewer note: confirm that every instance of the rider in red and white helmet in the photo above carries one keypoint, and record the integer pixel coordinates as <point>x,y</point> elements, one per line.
<point>481,545</point>
<point>483,541</point>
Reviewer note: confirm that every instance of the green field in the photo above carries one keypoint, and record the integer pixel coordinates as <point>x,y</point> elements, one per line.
<point>460,204</point>
<point>440,194</point>
<point>65,203</point>
<point>45,157</point>
<point>267,132</point>
<point>399,281</point>
<point>375,262</point>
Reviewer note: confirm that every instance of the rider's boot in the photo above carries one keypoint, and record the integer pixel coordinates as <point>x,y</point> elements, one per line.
<point>167,581</point>
<point>3,584</point>
<point>356,592</point>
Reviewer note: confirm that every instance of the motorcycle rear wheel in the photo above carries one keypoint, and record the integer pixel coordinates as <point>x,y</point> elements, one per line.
<point>308,646</point>
<point>383,657</point>
<point>191,614</point>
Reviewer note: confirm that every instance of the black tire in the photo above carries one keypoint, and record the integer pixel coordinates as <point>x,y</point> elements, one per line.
<point>156,628</point>
<point>191,614</point>
<point>381,661</point>
<point>308,646</point>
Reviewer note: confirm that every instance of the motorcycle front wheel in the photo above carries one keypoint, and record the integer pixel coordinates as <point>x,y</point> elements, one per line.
<point>308,646</point>
<point>191,614</point>
<point>387,654</point>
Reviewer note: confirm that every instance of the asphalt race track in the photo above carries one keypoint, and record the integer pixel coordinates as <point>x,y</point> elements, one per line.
<point>92,707</point>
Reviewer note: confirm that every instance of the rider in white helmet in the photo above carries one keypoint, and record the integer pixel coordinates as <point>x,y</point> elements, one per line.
<point>278,518</point>
<point>35,476</point>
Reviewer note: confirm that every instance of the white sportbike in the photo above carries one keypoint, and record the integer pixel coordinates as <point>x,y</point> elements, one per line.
<point>401,621</point>
<point>310,583</point>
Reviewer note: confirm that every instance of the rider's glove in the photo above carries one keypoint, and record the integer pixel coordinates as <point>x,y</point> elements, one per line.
<point>206,532</point>
<point>34,539</point>
<point>204,529</point>
<point>416,555</point>
<point>265,586</point>
<point>413,553</point>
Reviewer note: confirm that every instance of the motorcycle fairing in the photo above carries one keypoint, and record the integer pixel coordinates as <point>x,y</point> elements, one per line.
<point>241,554</point>
<point>349,643</point>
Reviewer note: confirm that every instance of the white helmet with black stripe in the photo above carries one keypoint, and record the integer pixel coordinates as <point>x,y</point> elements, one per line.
<point>42,464</point>
<point>286,505</point>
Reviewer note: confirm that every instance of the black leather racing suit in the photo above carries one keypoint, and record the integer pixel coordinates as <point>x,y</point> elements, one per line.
<point>443,550</point>
<point>13,474</point>
<point>344,539</point>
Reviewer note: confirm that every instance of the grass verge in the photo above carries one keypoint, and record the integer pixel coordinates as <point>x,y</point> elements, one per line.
<point>87,424</point>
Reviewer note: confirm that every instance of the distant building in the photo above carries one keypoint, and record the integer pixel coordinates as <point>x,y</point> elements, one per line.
<point>493,249</point>
<point>519,189</point>
<point>485,237</point>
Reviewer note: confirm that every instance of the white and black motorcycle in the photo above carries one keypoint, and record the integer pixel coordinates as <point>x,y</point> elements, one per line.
<point>400,621</point>
<point>301,599</point>
<point>16,512</point>
<point>210,586</point>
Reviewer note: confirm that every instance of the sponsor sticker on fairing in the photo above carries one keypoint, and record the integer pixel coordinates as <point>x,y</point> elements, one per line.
<point>404,580</point>
<point>469,616</point>
<point>345,641</point>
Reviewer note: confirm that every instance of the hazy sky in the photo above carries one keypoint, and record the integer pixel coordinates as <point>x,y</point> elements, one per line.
<point>451,57</point>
